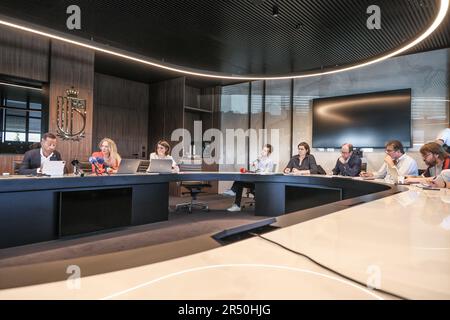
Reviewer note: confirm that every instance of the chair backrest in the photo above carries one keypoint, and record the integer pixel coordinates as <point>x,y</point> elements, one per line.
<point>364,167</point>
<point>190,166</point>
<point>86,166</point>
<point>16,166</point>
<point>143,166</point>
<point>320,170</point>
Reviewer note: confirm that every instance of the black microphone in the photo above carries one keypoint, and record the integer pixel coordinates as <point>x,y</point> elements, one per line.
<point>78,170</point>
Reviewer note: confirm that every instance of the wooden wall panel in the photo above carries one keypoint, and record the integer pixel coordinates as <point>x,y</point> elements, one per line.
<point>121,113</point>
<point>166,114</point>
<point>7,162</point>
<point>72,66</point>
<point>174,109</point>
<point>23,54</point>
<point>166,111</point>
<point>157,102</point>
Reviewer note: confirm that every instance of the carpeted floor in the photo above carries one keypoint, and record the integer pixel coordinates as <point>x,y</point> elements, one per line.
<point>180,225</point>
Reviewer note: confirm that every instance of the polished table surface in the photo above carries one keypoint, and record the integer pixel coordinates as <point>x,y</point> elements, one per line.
<point>44,200</point>
<point>401,242</point>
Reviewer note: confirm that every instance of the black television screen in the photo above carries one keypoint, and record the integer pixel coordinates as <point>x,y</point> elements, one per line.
<point>364,120</point>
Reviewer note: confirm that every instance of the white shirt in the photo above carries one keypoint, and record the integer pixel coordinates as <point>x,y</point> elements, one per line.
<point>153,155</point>
<point>444,135</point>
<point>263,164</point>
<point>43,159</point>
<point>445,174</point>
<point>406,166</point>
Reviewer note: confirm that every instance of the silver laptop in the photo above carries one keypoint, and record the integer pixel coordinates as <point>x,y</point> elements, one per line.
<point>128,166</point>
<point>160,166</point>
<point>53,168</point>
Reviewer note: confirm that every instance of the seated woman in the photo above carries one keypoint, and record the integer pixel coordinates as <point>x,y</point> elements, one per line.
<point>262,164</point>
<point>111,159</point>
<point>162,151</point>
<point>303,163</point>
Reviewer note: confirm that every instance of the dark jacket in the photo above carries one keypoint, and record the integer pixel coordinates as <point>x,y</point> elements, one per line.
<point>351,169</point>
<point>32,161</point>
<point>309,163</point>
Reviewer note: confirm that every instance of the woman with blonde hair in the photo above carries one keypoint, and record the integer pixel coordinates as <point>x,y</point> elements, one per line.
<point>107,160</point>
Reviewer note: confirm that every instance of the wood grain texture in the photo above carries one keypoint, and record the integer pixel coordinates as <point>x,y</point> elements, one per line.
<point>7,162</point>
<point>166,111</point>
<point>23,54</point>
<point>72,66</point>
<point>121,113</point>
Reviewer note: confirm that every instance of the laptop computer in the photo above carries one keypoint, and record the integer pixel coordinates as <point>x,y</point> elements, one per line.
<point>53,168</point>
<point>128,166</point>
<point>160,166</point>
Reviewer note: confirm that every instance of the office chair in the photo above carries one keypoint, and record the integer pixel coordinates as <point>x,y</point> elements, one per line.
<point>16,166</point>
<point>320,170</point>
<point>194,187</point>
<point>364,167</point>
<point>250,193</point>
<point>143,166</point>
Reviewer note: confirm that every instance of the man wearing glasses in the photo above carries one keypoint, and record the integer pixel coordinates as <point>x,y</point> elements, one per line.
<point>396,159</point>
<point>435,158</point>
<point>348,163</point>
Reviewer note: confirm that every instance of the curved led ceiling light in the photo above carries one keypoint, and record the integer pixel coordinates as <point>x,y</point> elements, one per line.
<point>144,60</point>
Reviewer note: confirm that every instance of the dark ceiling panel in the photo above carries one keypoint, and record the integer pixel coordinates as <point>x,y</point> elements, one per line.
<point>241,36</point>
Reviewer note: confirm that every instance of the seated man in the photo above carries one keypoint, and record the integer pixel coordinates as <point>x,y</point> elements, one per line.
<point>436,160</point>
<point>397,159</point>
<point>35,158</point>
<point>262,164</point>
<point>348,163</point>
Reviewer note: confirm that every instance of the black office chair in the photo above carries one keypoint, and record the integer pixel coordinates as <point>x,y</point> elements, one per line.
<point>320,170</point>
<point>16,166</point>
<point>194,187</point>
<point>251,194</point>
<point>364,167</point>
<point>143,166</point>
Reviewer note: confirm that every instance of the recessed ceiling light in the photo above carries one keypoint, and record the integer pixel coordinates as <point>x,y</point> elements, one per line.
<point>275,11</point>
<point>14,23</point>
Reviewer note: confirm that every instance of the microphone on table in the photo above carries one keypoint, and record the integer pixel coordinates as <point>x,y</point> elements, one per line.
<point>94,161</point>
<point>243,170</point>
<point>78,170</point>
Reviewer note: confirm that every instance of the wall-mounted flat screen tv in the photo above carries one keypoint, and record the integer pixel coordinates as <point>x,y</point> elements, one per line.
<point>366,120</point>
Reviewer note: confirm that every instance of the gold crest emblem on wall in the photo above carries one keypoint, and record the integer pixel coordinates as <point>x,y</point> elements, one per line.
<point>71,116</point>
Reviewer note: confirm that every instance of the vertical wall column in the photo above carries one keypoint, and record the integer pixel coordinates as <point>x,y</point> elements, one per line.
<point>72,66</point>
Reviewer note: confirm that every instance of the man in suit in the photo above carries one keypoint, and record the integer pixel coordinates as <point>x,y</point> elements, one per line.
<point>348,164</point>
<point>34,159</point>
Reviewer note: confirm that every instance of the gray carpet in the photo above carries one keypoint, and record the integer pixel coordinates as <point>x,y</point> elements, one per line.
<point>180,225</point>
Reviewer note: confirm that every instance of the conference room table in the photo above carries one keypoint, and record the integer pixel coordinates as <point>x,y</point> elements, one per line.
<point>399,243</point>
<point>36,209</point>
